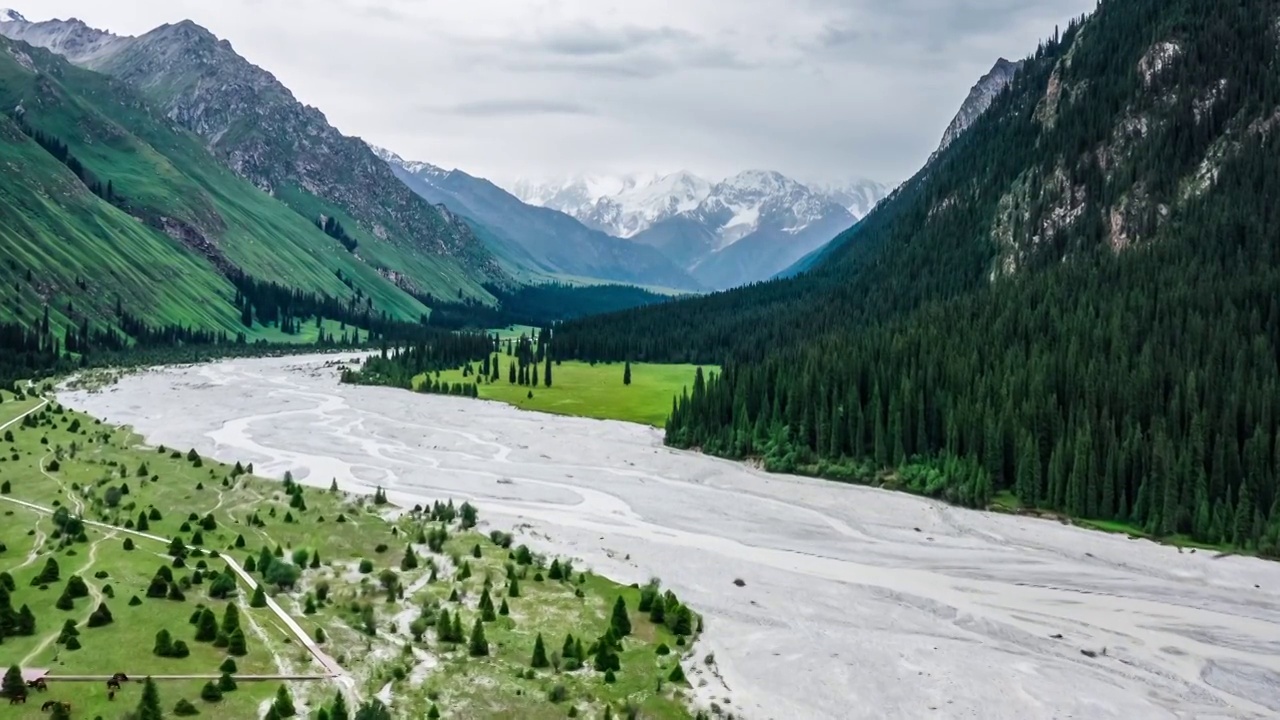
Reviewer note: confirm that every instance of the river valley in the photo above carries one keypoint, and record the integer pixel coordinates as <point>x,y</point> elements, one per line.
<point>821,600</point>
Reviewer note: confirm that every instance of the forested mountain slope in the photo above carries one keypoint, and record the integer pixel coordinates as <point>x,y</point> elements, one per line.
<point>1078,301</point>
<point>254,125</point>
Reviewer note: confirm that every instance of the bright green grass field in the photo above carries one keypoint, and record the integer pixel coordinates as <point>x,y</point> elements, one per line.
<point>594,391</point>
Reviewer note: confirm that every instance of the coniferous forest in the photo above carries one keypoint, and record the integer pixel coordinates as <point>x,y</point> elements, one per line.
<point>1077,305</point>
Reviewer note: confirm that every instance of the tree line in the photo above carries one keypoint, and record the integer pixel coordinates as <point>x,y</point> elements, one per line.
<point>1132,380</point>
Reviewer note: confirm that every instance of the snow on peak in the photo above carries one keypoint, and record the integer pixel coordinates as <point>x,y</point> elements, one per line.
<point>7,15</point>
<point>626,205</point>
<point>412,166</point>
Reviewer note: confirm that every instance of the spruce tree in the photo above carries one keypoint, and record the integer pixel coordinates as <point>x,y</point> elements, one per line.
<point>283,704</point>
<point>539,654</point>
<point>620,622</point>
<point>149,703</point>
<point>478,647</point>
<point>13,685</point>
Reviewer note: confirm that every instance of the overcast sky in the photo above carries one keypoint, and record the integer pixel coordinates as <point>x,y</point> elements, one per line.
<point>819,89</point>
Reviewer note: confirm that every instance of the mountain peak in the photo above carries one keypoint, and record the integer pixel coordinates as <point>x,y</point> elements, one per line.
<point>7,15</point>
<point>979,99</point>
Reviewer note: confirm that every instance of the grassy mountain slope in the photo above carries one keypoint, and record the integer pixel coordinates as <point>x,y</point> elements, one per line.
<point>169,183</point>
<point>54,224</point>
<point>255,127</point>
<point>1074,304</point>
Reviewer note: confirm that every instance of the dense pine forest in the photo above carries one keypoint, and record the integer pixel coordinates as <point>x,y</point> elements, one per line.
<point>1078,303</point>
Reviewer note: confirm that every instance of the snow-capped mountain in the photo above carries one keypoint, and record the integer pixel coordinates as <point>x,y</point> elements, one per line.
<point>619,205</point>
<point>698,223</point>
<point>7,15</point>
<point>534,239</point>
<point>857,196</point>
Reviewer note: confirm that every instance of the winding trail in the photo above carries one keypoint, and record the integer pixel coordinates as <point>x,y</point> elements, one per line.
<point>821,600</point>
<point>95,598</point>
<point>331,666</point>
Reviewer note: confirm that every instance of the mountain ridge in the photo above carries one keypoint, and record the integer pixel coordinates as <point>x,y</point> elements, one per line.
<point>255,126</point>
<point>539,239</point>
<point>698,223</point>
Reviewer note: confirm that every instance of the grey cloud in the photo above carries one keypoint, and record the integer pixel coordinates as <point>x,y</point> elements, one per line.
<point>508,107</point>
<point>594,40</point>
<point>812,88</point>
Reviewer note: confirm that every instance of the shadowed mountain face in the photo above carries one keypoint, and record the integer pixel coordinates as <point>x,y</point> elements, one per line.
<point>254,125</point>
<point>539,240</point>
<point>741,230</point>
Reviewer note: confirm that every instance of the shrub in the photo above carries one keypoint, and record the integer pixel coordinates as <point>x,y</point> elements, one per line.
<point>184,708</point>
<point>366,567</point>
<point>558,693</point>
<point>210,693</point>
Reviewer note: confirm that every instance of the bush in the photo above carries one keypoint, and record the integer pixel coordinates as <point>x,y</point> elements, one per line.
<point>558,693</point>
<point>663,649</point>
<point>100,617</point>
<point>73,643</point>
<point>210,693</point>
<point>184,708</point>
<point>366,567</point>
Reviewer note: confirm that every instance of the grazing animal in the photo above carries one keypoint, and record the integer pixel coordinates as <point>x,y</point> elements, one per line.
<point>120,677</point>
<point>113,684</point>
<point>111,695</point>
<point>38,685</point>
<point>17,699</point>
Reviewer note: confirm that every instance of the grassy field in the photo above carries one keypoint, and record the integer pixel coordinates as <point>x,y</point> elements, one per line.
<point>60,459</point>
<point>594,391</point>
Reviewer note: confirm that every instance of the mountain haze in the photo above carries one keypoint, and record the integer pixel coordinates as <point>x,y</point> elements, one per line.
<point>729,233</point>
<point>535,239</point>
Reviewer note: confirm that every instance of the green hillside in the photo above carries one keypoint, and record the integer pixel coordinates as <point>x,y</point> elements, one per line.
<point>165,179</point>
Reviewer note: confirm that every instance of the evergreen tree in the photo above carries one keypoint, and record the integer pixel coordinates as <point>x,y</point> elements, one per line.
<point>13,685</point>
<point>478,647</point>
<point>539,660</point>
<point>149,703</point>
<point>283,704</point>
<point>626,373</point>
<point>620,622</point>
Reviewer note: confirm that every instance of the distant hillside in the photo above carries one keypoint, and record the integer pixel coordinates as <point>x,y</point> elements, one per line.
<point>741,230</point>
<point>538,240</point>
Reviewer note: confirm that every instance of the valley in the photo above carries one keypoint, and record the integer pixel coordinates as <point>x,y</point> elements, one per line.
<point>450,400</point>
<point>894,605</point>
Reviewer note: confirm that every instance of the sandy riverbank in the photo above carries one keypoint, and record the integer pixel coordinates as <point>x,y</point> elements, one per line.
<point>847,610</point>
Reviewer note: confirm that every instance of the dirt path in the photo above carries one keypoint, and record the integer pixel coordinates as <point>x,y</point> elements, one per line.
<point>336,671</point>
<point>71,494</point>
<point>95,598</point>
<point>34,553</point>
<point>18,419</point>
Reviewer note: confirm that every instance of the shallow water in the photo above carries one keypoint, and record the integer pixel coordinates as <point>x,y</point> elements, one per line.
<point>856,603</point>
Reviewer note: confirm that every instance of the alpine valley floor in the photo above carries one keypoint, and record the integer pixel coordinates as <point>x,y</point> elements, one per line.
<point>854,602</point>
